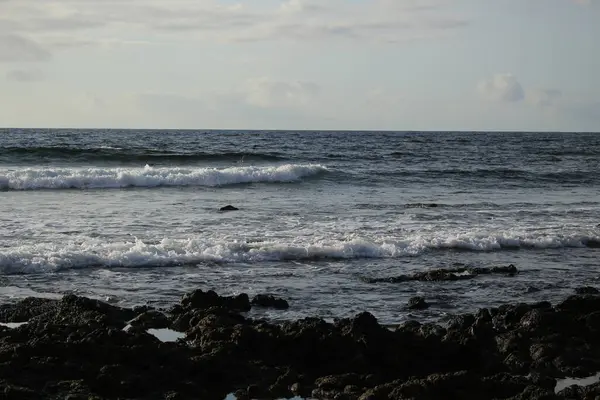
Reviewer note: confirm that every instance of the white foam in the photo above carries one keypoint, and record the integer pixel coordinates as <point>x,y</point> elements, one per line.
<point>47,257</point>
<point>12,325</point>
<point>565,383</point>
<point>83,178</point>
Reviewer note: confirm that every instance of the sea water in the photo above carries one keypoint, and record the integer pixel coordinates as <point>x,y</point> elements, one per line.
<point>133,216</point>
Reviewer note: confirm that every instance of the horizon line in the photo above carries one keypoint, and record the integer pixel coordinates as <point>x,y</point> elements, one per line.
<point>297,130</point>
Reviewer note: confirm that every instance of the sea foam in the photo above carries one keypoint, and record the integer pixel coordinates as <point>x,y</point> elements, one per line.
<point>93,252</point>
<point>108,178</point>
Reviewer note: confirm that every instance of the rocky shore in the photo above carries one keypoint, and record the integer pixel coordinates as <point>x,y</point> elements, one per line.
<point>79,348</point>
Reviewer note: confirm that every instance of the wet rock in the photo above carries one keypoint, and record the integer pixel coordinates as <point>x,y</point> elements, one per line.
<point>417,303</point>
<point>270,301</point>
<point>150,319</point>
<point>142,309</point>
<point>533,392</point>
<point>299,389</point>
<point>422,205</point>
<point>580,304</point>
<point>253,391</point>
<point>576,392</point>
<point>228,208</point>
<point>447,274</point>
<point>199,299</point>
<point>592,243</point>
<point>77,347</point>
<point>587,290</point>
<point>24,310</point>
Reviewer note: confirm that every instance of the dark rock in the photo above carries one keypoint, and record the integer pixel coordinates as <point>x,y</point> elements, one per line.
<point>203,300</point>
<point>580,304</point>
<point>142,309</point>
<point>446,274</point>
<point>228,208</point>
<point>253,391</point>
<point>592,322</point>
<point>77,348</point>
<point>580,392</point>
<point>267,300</point>
<point>587,290</point>
<point>417,303</point>
<point>150,319</point>
<point>26,309</point>
<point>298,389</point>
<point>592,243</point>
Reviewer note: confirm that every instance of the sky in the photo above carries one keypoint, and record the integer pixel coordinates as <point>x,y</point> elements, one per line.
<point>442,65</point>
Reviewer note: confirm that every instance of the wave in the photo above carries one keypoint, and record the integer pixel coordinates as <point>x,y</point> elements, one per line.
<point>108,178</point>
<point>33,155</point>
<point>497,174</point>
<point>513,206</point>
<point>93,252</point>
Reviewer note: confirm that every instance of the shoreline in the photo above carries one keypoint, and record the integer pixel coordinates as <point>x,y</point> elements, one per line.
<point>79,348</point>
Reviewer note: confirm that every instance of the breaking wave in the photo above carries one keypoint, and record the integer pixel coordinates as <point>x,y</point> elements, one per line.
<point>109,178</point>
<point>86,253</point>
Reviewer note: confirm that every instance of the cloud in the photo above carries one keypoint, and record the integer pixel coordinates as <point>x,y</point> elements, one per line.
<point>543,97</point>
<point>25,75</point>
<point>501,87</point>
<point>269,93</point>
<point>212,20</point>
<point>16,48</point>
<point>544,105</point>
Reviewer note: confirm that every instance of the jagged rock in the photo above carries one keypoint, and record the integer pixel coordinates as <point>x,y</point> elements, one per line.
<point>587,290</point>
<point>417,303</point>
<point>580,304</point>
<point>268,300</point>
<point>203,300</point>
<point>150,319</point>
<point>447,274</point>
<point>26,309</point>
<point>76,348</point>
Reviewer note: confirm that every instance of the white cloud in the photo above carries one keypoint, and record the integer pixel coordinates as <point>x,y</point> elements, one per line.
<point>501,87</point>
<point>269,93</point>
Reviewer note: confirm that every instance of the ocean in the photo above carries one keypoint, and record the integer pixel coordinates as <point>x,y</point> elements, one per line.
<point>132,217</point>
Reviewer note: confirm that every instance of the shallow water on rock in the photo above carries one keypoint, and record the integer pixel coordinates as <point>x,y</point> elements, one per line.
<point>12,325</point>
<point>565,383</point>
<point>166,335</point>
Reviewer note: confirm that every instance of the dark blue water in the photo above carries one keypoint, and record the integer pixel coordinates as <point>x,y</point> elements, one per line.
<point>131,216</point>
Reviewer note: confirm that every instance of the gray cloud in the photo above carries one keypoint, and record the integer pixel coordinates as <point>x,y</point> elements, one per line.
<point>378,20</point>
<point>24,75</point>
<point>15,48</point>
